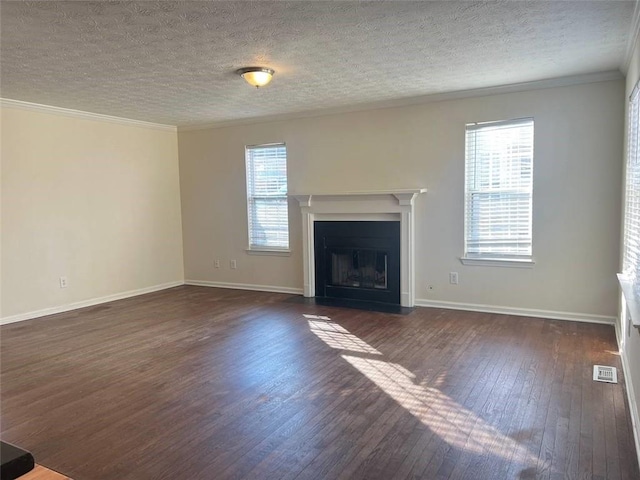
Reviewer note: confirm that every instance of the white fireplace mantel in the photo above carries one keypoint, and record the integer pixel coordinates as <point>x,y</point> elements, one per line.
<point>378,205</point>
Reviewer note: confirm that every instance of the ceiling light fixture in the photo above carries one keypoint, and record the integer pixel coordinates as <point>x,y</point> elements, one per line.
<point>256,76</point>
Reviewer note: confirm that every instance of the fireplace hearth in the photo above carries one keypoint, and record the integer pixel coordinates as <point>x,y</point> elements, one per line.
<point>358,260</point>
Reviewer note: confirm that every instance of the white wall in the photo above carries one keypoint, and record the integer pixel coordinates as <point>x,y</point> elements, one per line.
<point>96,202</point>
<point>577,181</point>
<point>628,336</point>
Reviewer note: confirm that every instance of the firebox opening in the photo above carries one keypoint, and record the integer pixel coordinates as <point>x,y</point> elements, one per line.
<point>358,260</point>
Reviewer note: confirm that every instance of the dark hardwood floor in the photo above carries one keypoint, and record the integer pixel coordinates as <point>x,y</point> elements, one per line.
<point>203,383</point>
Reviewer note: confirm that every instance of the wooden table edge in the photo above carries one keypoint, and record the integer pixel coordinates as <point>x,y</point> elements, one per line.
<point>43,473</point>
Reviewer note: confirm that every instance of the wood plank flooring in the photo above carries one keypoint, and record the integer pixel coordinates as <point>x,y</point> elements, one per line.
<point>203,383</point>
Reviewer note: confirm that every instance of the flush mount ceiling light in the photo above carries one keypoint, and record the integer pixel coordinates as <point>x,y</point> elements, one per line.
<point>256,76</point>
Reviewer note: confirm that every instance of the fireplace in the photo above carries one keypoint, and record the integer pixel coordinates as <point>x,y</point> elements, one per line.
<point>358,260</point>
<point>396,206</point>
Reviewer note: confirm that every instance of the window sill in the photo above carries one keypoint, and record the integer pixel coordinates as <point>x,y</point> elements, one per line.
<point>269,251</point>
<point>498,262</point>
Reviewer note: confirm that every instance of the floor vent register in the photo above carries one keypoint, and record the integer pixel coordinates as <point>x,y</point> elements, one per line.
<point>605,374</point>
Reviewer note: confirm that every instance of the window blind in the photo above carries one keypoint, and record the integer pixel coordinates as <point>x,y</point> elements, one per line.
<point>631,246</point>
<point>267,204</point>
<point>498,189</point>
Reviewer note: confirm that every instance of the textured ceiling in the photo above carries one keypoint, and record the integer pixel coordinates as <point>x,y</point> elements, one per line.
<point>173,62</point>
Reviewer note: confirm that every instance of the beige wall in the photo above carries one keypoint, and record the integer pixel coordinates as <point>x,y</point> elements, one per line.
<point>577,181</point>
<point>96,202</point>
<point>628,336</point>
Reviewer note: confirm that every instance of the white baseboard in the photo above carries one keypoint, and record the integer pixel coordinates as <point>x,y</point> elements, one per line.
<point>631,396</point>
<point>523,312</point>
<point>245,286</point>
<point>87,303</point>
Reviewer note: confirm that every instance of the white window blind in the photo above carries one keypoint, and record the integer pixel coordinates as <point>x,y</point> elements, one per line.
<point>268,211</point>
<point>498,190</point>
<point>631,247</point>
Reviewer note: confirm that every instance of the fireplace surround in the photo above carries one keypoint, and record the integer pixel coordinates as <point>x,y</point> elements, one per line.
<point>369,206</point>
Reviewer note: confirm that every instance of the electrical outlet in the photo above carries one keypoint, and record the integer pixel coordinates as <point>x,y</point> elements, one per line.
<point>63,282</point>
<point>216,263</point>
<point>233,264</point>
<point>453,278</point>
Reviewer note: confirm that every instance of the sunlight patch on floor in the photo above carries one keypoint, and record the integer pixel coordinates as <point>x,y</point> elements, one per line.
<point>456,425</point>
<point>338,337</point>
<point>453,423</point>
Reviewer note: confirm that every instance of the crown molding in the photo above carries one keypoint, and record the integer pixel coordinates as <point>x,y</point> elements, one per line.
<point>67,112</point>
<point>402,102</point>
<point>634,31</point>
<point>424,99</point>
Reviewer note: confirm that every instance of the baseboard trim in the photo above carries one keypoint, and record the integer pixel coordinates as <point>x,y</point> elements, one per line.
<point>523,312</point>
<point>245,286</point>
<point>526,312</point>
<point>87,303</point>
<point>631,396</point>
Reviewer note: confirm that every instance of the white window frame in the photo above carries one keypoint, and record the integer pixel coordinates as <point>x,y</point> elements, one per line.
<point>630,276</point>
<point>488,258</point>
<point>255,246</point>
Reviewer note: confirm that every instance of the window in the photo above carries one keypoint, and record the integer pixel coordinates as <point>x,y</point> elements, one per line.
<point>268,211</point>
<point>631,246</point>
<point>498,190</point>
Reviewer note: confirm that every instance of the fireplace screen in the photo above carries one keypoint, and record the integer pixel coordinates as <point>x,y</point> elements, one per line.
<point>359,268</point>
